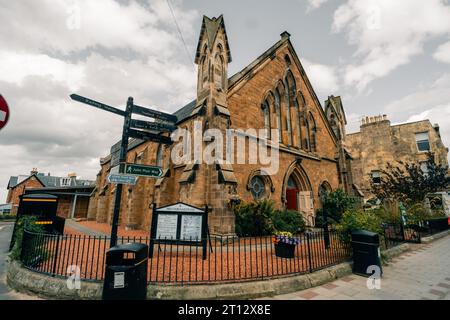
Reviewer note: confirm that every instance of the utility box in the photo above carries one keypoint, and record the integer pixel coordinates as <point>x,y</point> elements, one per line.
<point>366,253</point>
<point>126,272</point>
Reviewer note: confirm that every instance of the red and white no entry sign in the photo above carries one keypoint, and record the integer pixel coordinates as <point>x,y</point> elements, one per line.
<point>4,112</point>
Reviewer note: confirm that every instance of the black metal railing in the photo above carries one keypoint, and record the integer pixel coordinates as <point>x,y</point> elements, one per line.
<point>229,259</point>
<point>396,233</point>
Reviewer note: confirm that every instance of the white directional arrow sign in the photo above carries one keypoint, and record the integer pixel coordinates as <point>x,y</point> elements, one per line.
<point>122,179</point>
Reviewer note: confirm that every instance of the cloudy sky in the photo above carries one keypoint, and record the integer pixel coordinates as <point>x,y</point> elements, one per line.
<point>382,57</point>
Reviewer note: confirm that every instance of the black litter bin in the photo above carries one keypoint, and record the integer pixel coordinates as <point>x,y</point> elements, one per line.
<point>126,272</point>
<point>366,252</point>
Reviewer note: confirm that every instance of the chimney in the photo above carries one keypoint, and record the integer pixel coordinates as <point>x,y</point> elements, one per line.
<point>437,129</point>
<point>34,171</point>
<point>72,175</point>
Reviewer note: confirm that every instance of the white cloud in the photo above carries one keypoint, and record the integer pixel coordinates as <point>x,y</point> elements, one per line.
<point>119,50</point>
<point>67,26</point>
<point>427,102</point>
<point>423,98</point>
<point>16,66</point>
<point>353,122</point>
<point>323,78</point>
<point>443,53</point>
<point>314,4</point>
<point>388,34</point>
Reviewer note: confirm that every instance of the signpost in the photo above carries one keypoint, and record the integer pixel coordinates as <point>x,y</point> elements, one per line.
<point>119,154</point>
<point>179,223</point>
<point>4,112</point>
<point>142,170</point>
<point>122,179</point>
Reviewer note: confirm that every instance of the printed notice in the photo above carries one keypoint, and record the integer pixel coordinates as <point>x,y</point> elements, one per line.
<point>167,226</point>
<point>191,227</point>
<point>119,280</point>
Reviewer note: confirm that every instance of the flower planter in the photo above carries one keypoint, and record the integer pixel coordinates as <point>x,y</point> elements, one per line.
<point>284,250</point>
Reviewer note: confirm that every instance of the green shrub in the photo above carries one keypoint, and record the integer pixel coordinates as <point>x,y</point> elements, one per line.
<point>335,203</point>
<point>386,216</point>
<point>358,220</point>
<point>290,221</point>
<point>29,222</point>
<point>255,218</point>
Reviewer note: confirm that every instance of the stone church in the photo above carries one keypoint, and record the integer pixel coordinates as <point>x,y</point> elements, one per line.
<point>274,93</point>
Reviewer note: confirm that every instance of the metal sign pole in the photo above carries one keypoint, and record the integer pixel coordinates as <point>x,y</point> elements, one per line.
<point>122,160</point>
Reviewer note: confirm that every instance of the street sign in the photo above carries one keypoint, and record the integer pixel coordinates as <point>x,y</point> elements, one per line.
<point>97,104</point>
<point>4,112</point>
<point>122,179</point>
<point>154,114</point>
<point>142,135</point>
<point>142,170</point>
<point>156,126</point>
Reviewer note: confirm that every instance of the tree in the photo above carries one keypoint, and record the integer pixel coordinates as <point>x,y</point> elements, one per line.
<point>334,203</point>
<point>407,182</point>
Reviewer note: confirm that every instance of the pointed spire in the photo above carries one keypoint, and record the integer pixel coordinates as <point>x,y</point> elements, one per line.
<point>210,28</point>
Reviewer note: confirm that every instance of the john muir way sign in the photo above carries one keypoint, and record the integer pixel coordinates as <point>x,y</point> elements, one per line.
<point>144,171</point>
<point>179,223</point>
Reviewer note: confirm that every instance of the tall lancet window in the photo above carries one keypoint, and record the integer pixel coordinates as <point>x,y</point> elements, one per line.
<point>219,73</point>
<point>278,113</point>
<point>266,111</point>
<point>313,136</point>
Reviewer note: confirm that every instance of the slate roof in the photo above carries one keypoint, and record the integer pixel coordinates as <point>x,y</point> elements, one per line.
<point>48,181</point>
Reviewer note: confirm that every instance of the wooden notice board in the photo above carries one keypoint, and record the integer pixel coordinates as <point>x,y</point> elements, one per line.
<point>180,224</point>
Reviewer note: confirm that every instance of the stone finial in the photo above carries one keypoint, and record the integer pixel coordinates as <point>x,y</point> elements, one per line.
<point>285,34</point>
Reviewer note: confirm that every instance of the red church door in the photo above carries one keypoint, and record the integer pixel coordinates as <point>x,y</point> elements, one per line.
<point>291,199</point>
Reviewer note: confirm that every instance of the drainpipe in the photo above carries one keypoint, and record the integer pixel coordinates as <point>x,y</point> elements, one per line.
<point>74,204</point>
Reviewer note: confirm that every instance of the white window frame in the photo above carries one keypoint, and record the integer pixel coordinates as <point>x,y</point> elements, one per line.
<point>65,182</point>
<point>372,176</point>
<point>417,136</point>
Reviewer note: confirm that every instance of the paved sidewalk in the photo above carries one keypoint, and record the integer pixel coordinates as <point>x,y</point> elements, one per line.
<point>72,224</point>
<point>422,274</point>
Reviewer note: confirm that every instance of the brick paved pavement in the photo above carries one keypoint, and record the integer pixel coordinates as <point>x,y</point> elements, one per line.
<point>421,274</point>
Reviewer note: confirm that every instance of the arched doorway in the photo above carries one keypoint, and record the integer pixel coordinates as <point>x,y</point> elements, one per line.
<point>298,193</point>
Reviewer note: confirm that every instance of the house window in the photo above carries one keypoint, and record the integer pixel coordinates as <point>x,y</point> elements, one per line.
<point>266,112</point>
<point>65,182</point>
<point>376,177</point>
<point>423,144</point>
<point>257,187</point>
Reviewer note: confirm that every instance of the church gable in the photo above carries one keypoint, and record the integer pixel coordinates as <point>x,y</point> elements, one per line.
<point>276,92</point>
